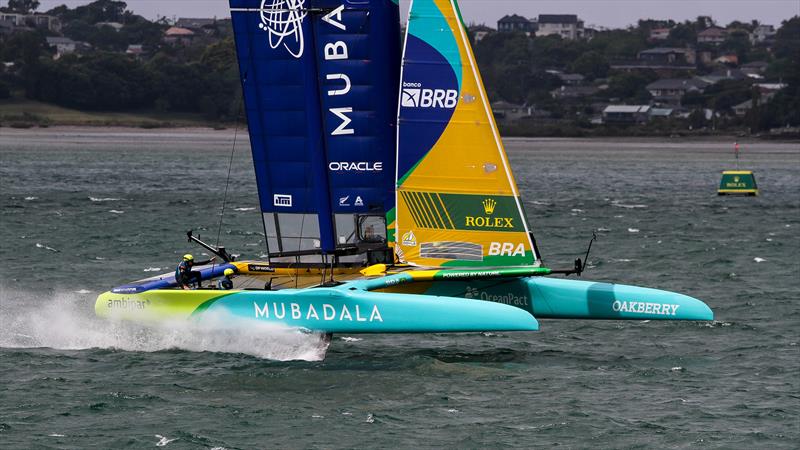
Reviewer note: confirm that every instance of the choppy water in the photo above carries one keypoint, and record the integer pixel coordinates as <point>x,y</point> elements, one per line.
<point>84,211</point>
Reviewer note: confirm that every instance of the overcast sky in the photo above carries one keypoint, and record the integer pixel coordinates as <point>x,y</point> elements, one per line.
<point>604,13</point>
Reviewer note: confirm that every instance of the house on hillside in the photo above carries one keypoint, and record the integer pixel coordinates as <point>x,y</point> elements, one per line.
<point>478,32</point>
<point>626,114</point>
<point>762,33</point>
<point>670,90</point>
<point>659,34</point>
<point>38,21</point>
<point>198,25</point>
<point>724,74</point>
<point>741,109</point>
<point>507,112</point>
<point>567,92</point>
<point>65,46</point>
<point>135,50</point>
<point>570,79</point>
<point>661,113</point>
<point>712,35</point>
<point>731,59</point>
<point>568,26</point>
<point>114,25</point>
<point>754,67</point>
<point>179,36</point>
<point>515,23</point>
<point>668,56</point>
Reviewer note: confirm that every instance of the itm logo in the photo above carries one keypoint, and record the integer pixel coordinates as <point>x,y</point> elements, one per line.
<point>414,96</point>
<point>283,20</point>
<point>489,205</point>
<point>282,200</point>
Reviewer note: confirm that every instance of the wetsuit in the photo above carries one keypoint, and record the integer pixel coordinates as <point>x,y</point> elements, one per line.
<point>225,284</point>
<point>184,274</point>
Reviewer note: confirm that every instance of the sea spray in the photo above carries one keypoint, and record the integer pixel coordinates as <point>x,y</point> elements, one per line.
<point>66,321</point>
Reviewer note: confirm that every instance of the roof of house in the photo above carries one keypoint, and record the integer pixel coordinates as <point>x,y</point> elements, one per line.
<point>189,22</point>
<point>630,109</point>
<point>664,51</point>
<point>574,91</point>
<point>755,65</point>
<point>661,112</point>
<point>114,25</point>
<point>178,31</point>
<point>712,32</point>
<point>503,105</point>
<point>558,18</point>
<point>513,18</point>
<point>728,74</point>
<point>570,76</point>
<point>677,83</point>
<point>59,40</point>
<point>481,27</point>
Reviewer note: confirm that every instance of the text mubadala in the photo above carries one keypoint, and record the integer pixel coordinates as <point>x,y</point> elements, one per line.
<point>664,309</point>
<point>327,312</point>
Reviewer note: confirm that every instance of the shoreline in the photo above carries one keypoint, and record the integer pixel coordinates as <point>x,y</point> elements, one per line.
<point>93,130</point>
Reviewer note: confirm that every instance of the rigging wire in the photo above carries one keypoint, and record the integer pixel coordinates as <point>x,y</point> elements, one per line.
<point>228,179</point>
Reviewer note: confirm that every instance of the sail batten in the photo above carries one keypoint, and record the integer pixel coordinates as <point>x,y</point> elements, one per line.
<point>457,201</point>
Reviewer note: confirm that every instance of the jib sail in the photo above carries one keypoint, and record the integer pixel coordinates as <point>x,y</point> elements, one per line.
<point>319,80</point>
<point>457,201</point>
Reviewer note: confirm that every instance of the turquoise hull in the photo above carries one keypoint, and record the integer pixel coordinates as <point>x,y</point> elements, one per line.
<point>337,310</point>
<point>401,306</point>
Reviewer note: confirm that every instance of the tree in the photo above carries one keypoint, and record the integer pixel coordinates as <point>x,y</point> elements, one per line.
<point>591,65</point>
<point>697,119</point>
<point>22,6</point>
<point>630,86</point>
<point>682,35</point>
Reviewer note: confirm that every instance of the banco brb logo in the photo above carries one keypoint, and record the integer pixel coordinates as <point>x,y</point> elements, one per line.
<point>414,96</point>
<point>283,20</point>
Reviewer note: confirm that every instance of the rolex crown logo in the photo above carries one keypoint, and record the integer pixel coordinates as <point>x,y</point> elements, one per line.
<point>736,179</point>
<point>489,205</point>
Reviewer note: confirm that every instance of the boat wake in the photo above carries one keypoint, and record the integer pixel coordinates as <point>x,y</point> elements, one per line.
<point>66,321</point>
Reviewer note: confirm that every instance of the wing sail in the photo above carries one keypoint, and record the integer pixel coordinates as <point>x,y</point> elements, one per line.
<point>457,201</point>
<point>319,80</point>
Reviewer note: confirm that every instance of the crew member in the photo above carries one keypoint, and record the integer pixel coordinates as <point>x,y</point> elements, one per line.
<point>226,283</point>
<point>184,274</point>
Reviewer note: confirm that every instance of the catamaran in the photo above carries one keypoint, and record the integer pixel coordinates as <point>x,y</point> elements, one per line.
<point>388,202</point>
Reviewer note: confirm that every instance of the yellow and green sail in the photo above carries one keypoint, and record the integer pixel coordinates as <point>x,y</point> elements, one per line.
<point>457,201</point>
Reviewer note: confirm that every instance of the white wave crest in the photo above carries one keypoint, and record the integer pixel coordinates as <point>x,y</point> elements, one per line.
<point>40,245</point>
<point>66,321</point>
<point>627,206</point>
<point>105,199</point>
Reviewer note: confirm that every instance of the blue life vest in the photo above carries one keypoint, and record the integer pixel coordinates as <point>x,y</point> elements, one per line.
<point>178,272</point>
<point>225,284</point>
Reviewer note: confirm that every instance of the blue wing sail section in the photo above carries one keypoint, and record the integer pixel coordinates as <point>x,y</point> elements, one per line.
<point>358,56</point>
<point>274,44</point>
<point>320,81</point>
